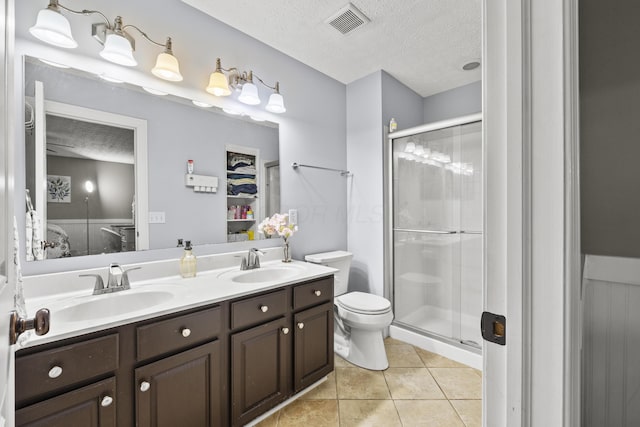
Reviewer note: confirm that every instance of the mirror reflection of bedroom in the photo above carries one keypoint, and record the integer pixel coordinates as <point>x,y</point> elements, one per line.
<point>89,181</point>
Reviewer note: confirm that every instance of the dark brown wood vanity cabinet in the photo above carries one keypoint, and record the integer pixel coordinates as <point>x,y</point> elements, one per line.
<point>281,343</point>
<point>217,365</point>
<point>187,387</point>
<point>169,371</point>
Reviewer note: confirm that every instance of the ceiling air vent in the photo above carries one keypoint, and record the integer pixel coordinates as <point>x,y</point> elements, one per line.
<point>347,19</point>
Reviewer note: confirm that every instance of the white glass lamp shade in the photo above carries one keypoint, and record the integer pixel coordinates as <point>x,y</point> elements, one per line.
<point>88,186</point>
<point>53,28</point>
<point>218,84</point>
<point>167,68</point>
<point>249,94</point>
<point>276,104</point>
<point>410,147</point>
<point>118,50</point>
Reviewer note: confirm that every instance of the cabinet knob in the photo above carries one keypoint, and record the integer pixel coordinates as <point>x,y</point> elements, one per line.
<point>186,332</point>
<point>285,331</point>
<point>55,372</point>
<point>317,292</point>
<point>144,386</point>
<point>300,325</point>
<point>264,308</point>
<point>106,401</point>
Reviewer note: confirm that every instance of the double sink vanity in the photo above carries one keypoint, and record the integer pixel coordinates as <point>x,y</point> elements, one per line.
<point>219,349</point>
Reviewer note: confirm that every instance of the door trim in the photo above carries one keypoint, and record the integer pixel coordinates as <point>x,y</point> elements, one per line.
<point>572,380</point>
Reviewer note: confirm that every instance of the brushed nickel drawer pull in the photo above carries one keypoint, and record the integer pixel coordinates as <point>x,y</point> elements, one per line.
<point>285,331</point>
<point>300,325</point>
<point>144,386</point>
<point>186,332</point>
<point>264,308</point>
<point>55,372</point>
<point>317,293</point>
<point>106,401</point>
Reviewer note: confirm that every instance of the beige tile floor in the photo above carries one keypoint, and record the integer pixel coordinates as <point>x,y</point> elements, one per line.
<point>418,389</point>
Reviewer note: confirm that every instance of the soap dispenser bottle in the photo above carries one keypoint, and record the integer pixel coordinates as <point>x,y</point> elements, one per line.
<point>188,261</point>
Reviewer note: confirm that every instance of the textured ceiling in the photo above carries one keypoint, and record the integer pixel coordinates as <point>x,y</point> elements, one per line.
<point>422,43</point>
<point>75,138</point>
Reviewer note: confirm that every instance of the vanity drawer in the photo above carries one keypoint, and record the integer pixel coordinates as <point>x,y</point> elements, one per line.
<point>262,308</point>
<point>313,293</point>
<point>177,333</point>
<point>49,370</point>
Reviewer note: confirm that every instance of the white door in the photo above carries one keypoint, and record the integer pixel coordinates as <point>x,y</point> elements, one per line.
<point>529,113</point>
<point>6,224</point>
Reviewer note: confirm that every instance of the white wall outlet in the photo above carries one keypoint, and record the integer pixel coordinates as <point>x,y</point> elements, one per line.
<point>156,218</point>
<point>293,216</point>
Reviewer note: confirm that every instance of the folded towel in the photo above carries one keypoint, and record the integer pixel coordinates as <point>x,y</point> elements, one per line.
<point>33,238</point>
<point>18,294</point>
<point>242,181</point>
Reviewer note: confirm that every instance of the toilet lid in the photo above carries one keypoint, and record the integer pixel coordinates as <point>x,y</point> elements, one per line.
<point>361,302</point>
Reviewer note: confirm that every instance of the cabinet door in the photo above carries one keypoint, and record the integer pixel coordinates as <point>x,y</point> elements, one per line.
<point>181,390</point>
<point>313,345</point>
<point>260,369</point>
<point>90,406</point>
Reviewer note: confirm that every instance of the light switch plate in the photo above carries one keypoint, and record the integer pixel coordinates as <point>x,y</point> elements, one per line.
<point>293,216</point>
<point>156,218</point>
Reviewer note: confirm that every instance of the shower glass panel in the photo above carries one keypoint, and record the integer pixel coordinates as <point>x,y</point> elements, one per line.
<point>437,232</point>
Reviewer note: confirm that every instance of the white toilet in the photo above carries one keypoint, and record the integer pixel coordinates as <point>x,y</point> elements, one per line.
<point>360,318</point>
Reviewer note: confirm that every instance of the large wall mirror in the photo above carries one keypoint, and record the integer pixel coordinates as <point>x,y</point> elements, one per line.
<point>130,149</point>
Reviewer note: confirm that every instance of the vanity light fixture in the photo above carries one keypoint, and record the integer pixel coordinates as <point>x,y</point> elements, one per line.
<point>201,104</point>
<point>53,28</point>
<point>154,91</point>
<point>220,84</point>
<point>53,64</point>
<point>109,79</point>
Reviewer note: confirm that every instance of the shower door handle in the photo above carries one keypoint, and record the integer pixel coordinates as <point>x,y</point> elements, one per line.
<point>494,328</point>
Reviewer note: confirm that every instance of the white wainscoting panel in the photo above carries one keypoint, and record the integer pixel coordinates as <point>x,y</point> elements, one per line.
<point>611,346</point>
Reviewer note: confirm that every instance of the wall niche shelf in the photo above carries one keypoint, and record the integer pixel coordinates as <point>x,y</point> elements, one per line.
<point>242,192</point>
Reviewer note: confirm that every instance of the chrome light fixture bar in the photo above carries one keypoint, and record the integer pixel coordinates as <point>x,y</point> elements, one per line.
<point>220,84</point>
<point>53,28</point>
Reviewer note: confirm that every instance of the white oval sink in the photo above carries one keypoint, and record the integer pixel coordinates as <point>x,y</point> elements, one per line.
<point>264,274</point>
<point>111,305</point>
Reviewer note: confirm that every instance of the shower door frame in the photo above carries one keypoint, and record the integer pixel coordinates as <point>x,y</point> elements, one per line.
<point>388,213</point>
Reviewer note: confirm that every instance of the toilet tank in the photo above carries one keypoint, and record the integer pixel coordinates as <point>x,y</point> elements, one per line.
<point>340,260</point>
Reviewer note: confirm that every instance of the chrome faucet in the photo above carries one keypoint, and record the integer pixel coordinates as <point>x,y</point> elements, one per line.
<point>117,280</point>
<point>252,260</point>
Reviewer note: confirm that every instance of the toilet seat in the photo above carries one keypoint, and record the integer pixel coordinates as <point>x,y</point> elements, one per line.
<point>363,303</point>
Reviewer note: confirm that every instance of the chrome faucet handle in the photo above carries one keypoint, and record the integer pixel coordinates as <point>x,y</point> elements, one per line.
<point>124,282</point>
<point>255,254</point>
<point>115,275</point>
<point>243,264</point>
<point>98,287</point>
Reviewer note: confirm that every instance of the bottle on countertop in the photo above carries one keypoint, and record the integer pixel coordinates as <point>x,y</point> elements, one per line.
<point>189,166</point>
<point>188,261</point>
<point>180,244</point>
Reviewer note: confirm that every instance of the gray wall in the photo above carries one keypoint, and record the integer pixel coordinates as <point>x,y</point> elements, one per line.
<point>461,101</point>
<point>610,127</point>
<point>371,102</point>
<point>113,194</point>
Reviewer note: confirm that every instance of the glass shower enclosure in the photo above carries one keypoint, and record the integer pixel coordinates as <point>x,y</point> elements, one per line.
<point>434,235</point>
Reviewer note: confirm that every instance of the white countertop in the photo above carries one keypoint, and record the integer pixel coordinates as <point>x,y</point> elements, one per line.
<point>207,287</point>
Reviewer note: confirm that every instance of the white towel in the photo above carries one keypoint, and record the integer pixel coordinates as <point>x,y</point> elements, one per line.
<point>33,237</point>
<point>18,294</point>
